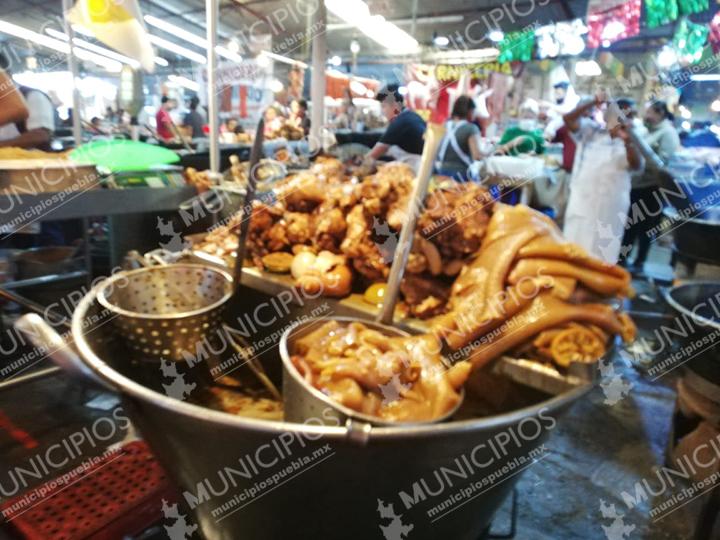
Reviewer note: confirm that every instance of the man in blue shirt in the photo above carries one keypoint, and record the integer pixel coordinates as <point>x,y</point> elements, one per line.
<point>403,138</point>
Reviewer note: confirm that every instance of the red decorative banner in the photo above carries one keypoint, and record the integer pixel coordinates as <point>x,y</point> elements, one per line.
<point>714,37</point>
<point>620,21</point>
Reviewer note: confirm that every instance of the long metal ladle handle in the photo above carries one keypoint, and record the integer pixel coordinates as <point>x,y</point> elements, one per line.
<point>44,337</point>
<point>648,153</point>
<point>665,177</point>
<point>433,136</point>
<point>255,155</point>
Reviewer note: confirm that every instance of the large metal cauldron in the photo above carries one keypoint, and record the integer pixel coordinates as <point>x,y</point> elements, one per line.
<point>697,309</point>
<point>695,237</point>
<point>244,478</point>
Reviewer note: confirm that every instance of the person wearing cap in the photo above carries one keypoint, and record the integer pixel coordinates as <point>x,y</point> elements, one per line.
<point>403,138</point>
<point>561,94</point>
<point>565,100</point>
<point>526,137</point>
<point>600,182</point>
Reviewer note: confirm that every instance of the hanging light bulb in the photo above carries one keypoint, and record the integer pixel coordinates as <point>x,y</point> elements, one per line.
<point>496,36</point>
<point>589,68</point>
<point>233,46</point>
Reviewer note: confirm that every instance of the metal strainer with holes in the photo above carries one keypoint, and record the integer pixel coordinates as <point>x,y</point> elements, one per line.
<point>164,311</point>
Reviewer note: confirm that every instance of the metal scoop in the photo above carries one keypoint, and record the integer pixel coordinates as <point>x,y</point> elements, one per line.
<point>302,401</point>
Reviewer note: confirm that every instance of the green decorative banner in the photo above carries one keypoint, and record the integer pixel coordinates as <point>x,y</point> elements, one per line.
<point>689,40</point>
<point>688,7</point>
<point>660,12</point>
<point>517,46</point>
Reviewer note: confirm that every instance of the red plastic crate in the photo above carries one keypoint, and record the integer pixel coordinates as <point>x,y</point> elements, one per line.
<point>121,494</point>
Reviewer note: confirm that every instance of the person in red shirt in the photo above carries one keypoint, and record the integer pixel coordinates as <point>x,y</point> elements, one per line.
<point>163,120</point>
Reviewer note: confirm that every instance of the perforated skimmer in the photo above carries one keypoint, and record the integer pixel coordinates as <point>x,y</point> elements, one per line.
<point>165,310</point>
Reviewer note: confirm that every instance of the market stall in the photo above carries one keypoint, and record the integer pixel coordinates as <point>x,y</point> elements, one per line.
<point>363,271</point>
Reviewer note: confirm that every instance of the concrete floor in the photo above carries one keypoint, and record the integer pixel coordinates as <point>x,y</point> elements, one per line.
<point>597,452</point>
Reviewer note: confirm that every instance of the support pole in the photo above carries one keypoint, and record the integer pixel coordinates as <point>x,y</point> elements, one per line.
<point>72,64</point>
<point>317,81</point>
<point>213,119</point>
<point>413,24</point>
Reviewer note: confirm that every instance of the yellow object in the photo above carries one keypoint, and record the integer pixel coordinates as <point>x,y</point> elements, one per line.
<point>105,11</point>
<point>375,294</point>
<point>576,344</point>
<point>118,24</point>
<point>14,152</point>
<point>278,262</point>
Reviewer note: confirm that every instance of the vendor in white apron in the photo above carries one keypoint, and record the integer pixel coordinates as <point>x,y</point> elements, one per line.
<point>600,182</point>
<point>460,146</point>
<point>403,139</point>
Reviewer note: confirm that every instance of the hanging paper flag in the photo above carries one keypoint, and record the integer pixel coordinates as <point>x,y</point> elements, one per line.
<point>688,7</point>
<point>563,38</point>
<point>547,45</point>
<point>660,12</point>
<point>689,40</point>
<point>570,36</point>
<point>714,36</point>
<point>611,20</point>
<point>118,24</point>
<point>611,64</point>
<point>517,46</point>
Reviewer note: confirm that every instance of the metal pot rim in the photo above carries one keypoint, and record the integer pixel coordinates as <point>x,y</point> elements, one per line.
<point>106,283</point>
<point>679,308</point>
<point>129,387</point>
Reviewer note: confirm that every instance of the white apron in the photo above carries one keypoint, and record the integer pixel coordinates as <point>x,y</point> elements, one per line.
<point>450,140</point>
<point>398,154</point>
<point>599,197</point>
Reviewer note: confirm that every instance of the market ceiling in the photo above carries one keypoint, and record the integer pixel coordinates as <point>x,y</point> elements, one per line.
<point>423,19</point>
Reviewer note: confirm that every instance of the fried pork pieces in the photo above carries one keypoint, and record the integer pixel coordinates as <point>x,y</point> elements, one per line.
<point>322,210</point>
<point>497,279</point>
